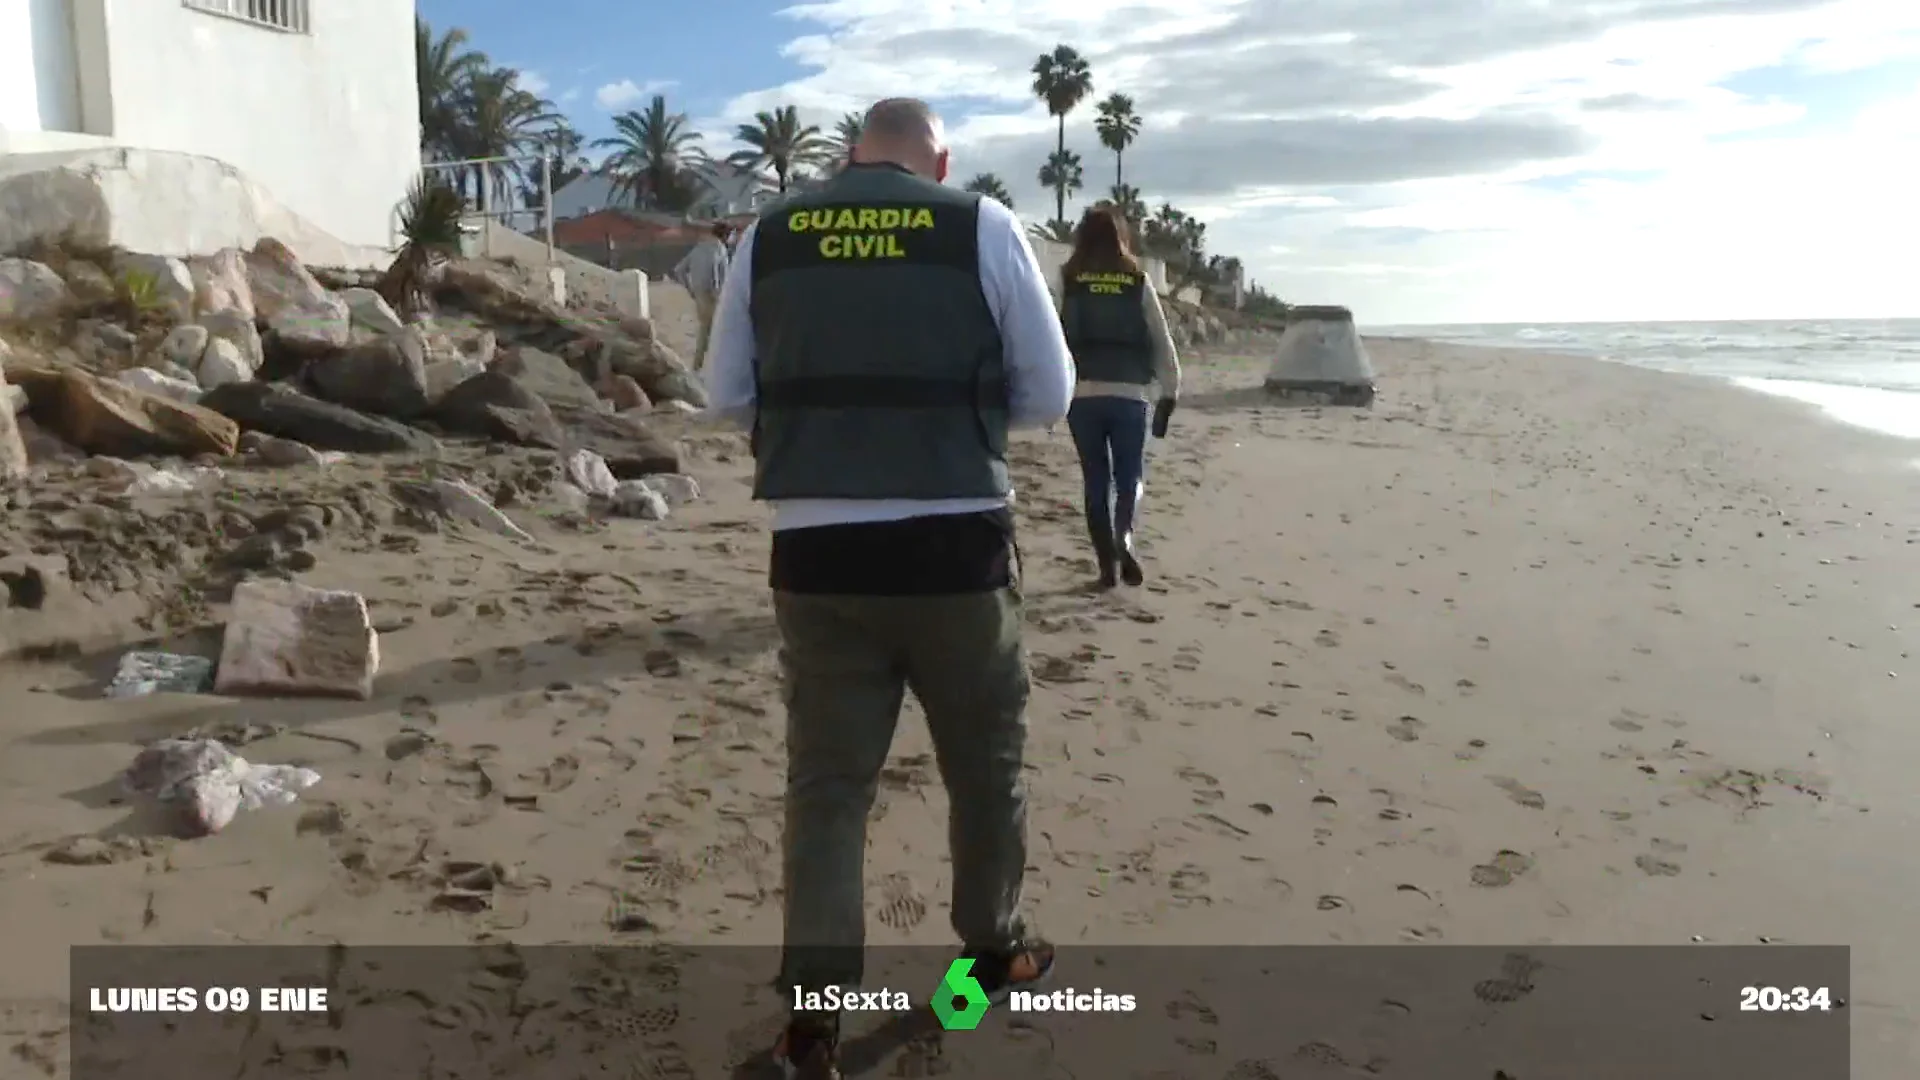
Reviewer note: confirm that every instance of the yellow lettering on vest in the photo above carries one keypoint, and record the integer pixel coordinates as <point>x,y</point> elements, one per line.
<point>830,246</point>
<point>863,246</point>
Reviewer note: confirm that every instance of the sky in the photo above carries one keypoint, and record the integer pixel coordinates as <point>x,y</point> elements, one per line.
<point>1420,161</point>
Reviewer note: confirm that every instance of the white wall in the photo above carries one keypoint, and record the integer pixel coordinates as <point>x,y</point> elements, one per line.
<point>39,71</point>
<point>1052,255</point>
<point>328,122</point>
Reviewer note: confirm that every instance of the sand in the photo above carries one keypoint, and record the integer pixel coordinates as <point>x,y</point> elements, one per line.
<point>1648,635</point>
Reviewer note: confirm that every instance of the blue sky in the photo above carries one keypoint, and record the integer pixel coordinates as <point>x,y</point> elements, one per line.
<point>1422,161</point>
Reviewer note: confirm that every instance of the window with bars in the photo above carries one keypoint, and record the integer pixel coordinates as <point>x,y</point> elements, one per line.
<point>287,16</point>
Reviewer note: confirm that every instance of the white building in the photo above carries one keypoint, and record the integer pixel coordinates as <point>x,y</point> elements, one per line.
<point>312,100</point>
<point>731,192</point>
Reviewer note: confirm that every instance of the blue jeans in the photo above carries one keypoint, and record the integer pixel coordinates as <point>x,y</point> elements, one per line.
<point>1111,435</point>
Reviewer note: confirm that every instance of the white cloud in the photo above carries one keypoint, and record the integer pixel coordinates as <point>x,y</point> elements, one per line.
<point>532,82</point>
<point>1444,160</point>
<point>625,94</point>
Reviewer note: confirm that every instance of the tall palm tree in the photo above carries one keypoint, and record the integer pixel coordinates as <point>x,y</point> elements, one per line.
<point>1060,232</point>
<point>1063,174</point>
<point>1118,126</point>
<point>442,67</point>
<point>656,157</point>
<point>499,120</point>
<point>846,135</point>
<point>1063,80</point>
<point>560,145</point>
<point>779,141</point>
<point>992,187</point>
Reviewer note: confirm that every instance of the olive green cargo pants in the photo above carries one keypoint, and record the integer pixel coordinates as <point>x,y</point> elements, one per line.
<point>847,663</point>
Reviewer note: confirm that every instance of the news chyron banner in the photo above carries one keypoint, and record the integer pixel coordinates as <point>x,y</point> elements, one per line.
<point>1695,1012</point>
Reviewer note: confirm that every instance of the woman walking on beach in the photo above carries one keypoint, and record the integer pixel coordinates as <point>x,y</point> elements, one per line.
<point>1121,348</point>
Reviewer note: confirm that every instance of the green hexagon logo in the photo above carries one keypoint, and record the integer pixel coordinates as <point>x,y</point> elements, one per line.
<point>959,1001</point>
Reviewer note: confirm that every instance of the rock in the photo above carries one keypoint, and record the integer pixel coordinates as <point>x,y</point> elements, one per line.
<point>165,282</point>
<point>634,499</point>
<point>553,379</point>
<point>43,448</point>
<point>102,416</point>
<point>13,449</point>
<point>237,328</point>
<point>150,381</point>
<point>623,393</point>
<point>220,283</point>
<point>570,499</point>
<point>142,673</point>
<point>444,375</point>
<point>273,450</point>
<point>12,398</point>
<point>279,283</point>
<point>493,405</point>
<point>678,489</point>
<point>30,291</point>
<point>384,376</point>
<point>674,406</point>
<point>369,309</point>
<point>483,347</point>
<point>630,448</point>
<point>92,286</point>
<point>287,638</point>
<point>221,364</point>
<point>185,344</point>
<point>105,344</point>
<point>459,500</point>
<point>34,582</point>
<point>298,334</point>
<point>588,471</point>
<point>284,411</point>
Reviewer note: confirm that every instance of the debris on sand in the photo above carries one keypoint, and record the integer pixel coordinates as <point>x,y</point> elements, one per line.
<point>210,784</point>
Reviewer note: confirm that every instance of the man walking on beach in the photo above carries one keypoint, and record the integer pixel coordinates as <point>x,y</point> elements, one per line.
<point>879,337</point>
<point>702,272</point>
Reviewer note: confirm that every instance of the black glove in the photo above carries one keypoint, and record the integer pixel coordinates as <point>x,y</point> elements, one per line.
<point>1162,413</point>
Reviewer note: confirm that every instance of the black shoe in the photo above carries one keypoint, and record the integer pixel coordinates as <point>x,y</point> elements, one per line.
<point>808,1051</point>
<point>1130,571</point>
<point>1001,972</point>
<point>1109,574</point>
<point>1103,553</point>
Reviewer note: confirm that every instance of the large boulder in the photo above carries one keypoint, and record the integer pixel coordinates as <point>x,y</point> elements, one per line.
<point>220,283</point>
<point>274,409</point>
<point>102,416</point>
<point>494,405</point>
<point>236,328</point>
<point>547,375</point>
<point>302,318</point>
<point>370,310</point>
<point>630,447</point>
<point>385,376</point>
<point>31,291</point>
<point>162,284</point>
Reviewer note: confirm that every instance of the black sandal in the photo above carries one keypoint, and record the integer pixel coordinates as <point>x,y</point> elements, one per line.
<point>1001,972</point>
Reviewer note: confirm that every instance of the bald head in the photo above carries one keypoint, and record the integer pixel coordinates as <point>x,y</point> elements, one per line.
<point>904,132</point>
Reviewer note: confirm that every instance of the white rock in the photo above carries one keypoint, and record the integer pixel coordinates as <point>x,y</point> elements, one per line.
<point>589,472</point>
<point>634,499</point>
<point>12,398</point>
<point>570,499</point>
<point>675,405</point>
<point>237,327</point>
<point>460,500</point>
<point>14,460</point>
<point>286,638</point>
<point>369,309</point>
<point>444,375</point>
<point>273,450</point>
<point>184,344</point>
<point>220,283</point>
<point>321,325</point>
<point>222,363</point>
<point>153,382</point>
<point>678,489</point>
<point>30,290</point>
<point>278,281</point>
<point>170,282</point>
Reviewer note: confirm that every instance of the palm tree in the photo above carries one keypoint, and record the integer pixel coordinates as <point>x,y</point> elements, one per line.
<point>430,222</point>
<point>846,135</point>
<point>499,120</point>
<point>1126,199</point>
<point>1118,126</point>
<point>992,187</point>
<point>442,68</point>
<point>778,140</point>
<point>560,145</point>
<point>1058,231</point>
<point>1063,174</point>
<point>656,157</point>
<point>1063,80</point>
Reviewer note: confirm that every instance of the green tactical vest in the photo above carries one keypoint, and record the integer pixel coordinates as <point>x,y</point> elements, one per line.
<point>879,371</point>
<point>1106,327</point>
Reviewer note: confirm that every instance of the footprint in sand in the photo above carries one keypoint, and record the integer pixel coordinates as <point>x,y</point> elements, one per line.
<point>1407,684</point>
<point>1188,1007</point>
<point>1654,866</point>
<point>558,775</point>
<point>1519,792</point>
<point>902,907</point>
<point>1252,1069</point>
<point>1326,639</point>
<point>466,670</point>
<point>1206,787</point>
<point>1472,750</point>
<point>1501,870</point>
<point>1407,728</point>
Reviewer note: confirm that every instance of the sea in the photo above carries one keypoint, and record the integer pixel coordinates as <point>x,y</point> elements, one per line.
<point>1864,372</point>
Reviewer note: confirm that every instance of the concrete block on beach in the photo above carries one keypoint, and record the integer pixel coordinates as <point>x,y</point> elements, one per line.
<point>296,640</point>
<point>1321,353</point>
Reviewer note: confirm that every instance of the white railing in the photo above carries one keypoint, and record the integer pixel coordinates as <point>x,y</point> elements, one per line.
<point>495,201</point>
<point>287,16</point>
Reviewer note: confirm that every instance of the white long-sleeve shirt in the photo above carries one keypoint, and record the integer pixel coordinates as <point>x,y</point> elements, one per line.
<point>1040,372</point>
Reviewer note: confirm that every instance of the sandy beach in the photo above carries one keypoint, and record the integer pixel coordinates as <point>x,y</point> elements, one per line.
<point>1536,650</point>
